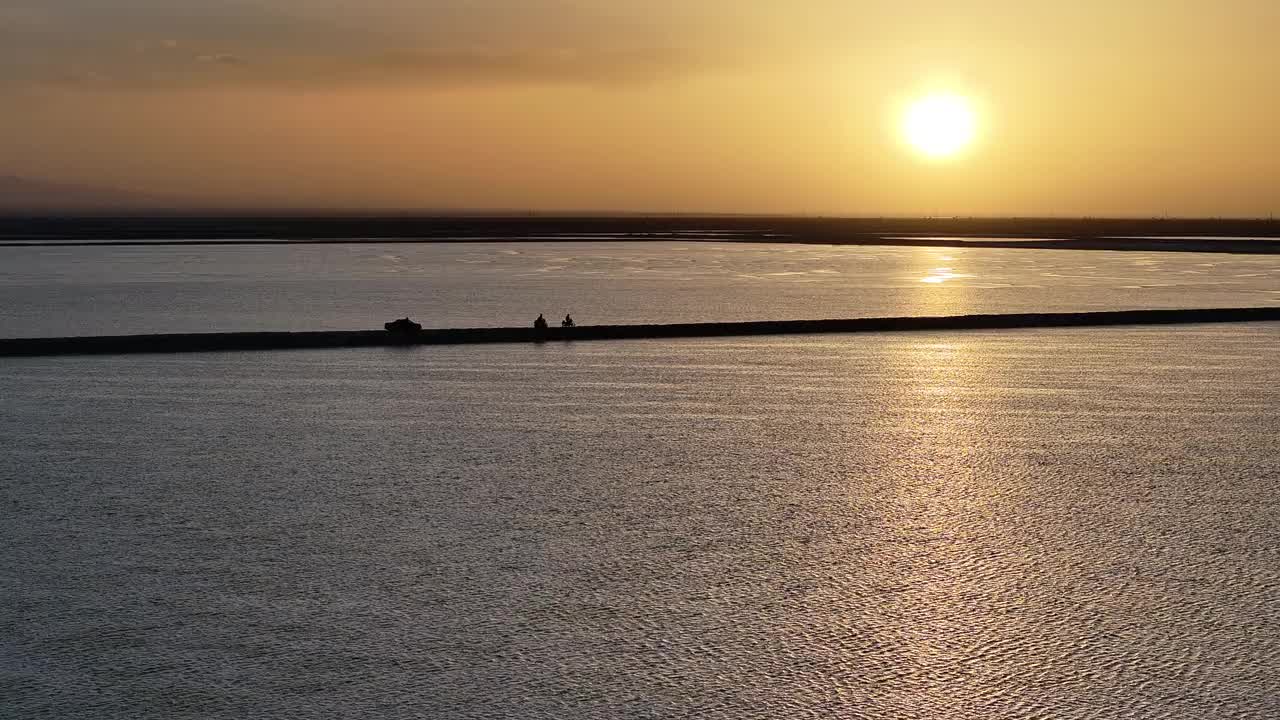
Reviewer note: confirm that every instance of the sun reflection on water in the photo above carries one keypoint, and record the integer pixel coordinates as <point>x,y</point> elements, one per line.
<point>940,275</point>
<point>934,272</point>
<point>952,488</point>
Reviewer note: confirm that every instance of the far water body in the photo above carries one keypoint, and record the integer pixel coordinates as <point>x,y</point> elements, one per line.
<point>1070,524</point>
<point>57,291</point>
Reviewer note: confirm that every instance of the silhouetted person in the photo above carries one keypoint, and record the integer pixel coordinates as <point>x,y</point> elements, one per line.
<point>567,322</point>
<point>540,323</point>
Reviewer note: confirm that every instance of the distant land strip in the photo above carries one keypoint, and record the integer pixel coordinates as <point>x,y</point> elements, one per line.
<point>219,342</point>
<point>1238,246</point>
<point>1147,234</point>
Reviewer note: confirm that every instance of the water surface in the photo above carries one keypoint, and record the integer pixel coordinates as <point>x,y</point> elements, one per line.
<point>56,291</point>
<point>1008,524</point>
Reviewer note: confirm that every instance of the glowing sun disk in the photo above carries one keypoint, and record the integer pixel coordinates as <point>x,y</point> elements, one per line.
<point>940,125</point>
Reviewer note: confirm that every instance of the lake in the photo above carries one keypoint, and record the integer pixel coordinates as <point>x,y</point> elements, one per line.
<point>57,291</point>
<point>1074,523</point>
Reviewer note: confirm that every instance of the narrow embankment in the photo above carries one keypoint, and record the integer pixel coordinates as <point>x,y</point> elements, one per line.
<point>217,342</point>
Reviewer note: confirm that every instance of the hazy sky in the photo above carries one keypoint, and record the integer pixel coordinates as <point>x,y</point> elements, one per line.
<point>1086,107</point>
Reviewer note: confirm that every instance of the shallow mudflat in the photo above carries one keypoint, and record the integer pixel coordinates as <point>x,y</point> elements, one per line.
<point>1035,523</point>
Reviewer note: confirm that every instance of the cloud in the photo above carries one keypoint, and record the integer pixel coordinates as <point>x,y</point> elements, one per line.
<point>219,59</point>
<point>487,67</point>
<point>182,44</point>
<point>16,17</point>
<point>428,69</point>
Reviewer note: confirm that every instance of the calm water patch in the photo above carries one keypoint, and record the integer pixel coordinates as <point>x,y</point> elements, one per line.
<point>53,291</point>
<point>1070,524</point>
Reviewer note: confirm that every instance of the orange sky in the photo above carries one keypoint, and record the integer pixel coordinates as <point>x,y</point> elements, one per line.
<point>1138,107</point>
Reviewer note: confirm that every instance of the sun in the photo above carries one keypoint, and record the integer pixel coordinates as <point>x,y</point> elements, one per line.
<point>940,125</point>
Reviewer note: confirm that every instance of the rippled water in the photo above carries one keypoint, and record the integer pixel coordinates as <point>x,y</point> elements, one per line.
<point>49,291</point>
<point>1014,524</point>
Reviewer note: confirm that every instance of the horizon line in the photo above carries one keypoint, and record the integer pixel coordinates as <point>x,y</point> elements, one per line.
<point>287,211</point>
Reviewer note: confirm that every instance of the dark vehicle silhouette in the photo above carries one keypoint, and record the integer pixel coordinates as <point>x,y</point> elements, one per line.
<point>403,325</point>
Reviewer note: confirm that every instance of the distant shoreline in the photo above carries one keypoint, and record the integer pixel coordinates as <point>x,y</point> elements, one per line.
<point>1155,235</point>
<point>1247,246</point>
<point>224,342</point>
